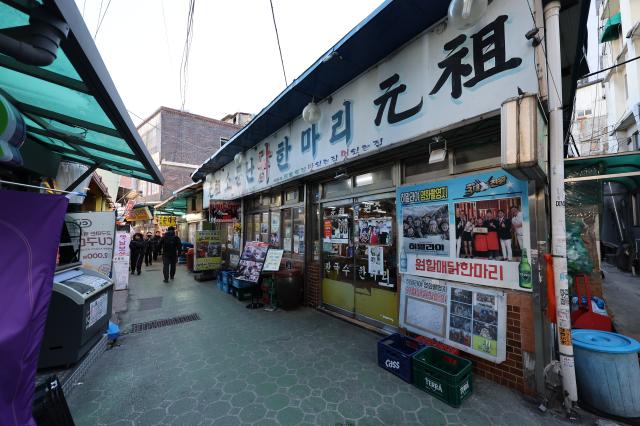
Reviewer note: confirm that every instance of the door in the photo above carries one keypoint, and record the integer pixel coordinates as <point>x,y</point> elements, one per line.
<point>376,298</point>
<point>337,249</point>
<point>359,259</point>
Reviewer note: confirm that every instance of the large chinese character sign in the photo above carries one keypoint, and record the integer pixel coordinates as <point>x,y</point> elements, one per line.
<point>473,229</point>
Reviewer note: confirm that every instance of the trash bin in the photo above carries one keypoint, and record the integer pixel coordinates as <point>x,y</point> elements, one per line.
<point>607,371</point>
<point>289,288</point>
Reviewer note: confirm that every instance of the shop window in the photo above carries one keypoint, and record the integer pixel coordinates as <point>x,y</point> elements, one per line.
<point>291,196</point>
<point>635,214</point>
<point>337,187</point>
<point>264,227</point>
<point>298,230</point>
<point>476,156</point>
<point>265,200</point>
<point>418,169</point>
<point>276,199</point>
<point>274,236</point>
<point>193,204</point>
<point>287,230</point>
<point>375,178</point>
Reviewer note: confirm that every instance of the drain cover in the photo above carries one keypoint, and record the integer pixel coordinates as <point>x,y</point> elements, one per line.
<point>144,326</point>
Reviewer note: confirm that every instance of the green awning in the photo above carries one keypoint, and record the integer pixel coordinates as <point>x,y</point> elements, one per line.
<point>611,29</point>
<point>177,203</point>
<point>621,167</point>
<point>71,107</point>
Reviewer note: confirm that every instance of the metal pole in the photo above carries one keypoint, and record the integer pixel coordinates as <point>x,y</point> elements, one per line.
<point>44,188</point>
<point>558,230</point>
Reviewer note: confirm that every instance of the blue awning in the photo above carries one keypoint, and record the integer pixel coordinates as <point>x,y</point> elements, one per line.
<point>391,25</point>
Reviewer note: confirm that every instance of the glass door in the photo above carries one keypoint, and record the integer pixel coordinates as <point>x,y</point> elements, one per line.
<point>376,298</point>
<point>338,257</point>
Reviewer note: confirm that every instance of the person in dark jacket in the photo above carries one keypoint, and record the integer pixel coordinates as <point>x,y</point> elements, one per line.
<point>504,233</point>
<point>136,246</point>
<point>148,249</point>
<point>171,247</point>
<point>156,245</point>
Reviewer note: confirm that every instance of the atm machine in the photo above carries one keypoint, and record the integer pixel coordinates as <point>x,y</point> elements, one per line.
<point>79,309</point>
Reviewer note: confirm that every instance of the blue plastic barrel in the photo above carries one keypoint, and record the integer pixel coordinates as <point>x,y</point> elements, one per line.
<point>607,371</point>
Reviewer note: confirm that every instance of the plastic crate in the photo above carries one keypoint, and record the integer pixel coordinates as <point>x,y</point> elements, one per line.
<point>242,293</point>
<point>395,352</point>
<point>238,283</point>
<point>443,375</point>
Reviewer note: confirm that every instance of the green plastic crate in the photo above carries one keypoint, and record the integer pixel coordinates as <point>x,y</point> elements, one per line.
<point>242,294</point>
<point>443,375</point>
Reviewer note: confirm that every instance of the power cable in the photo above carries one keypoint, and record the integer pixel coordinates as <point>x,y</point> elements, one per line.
<point>184,63</point>
<point>98,21</point>
<point>101,20</point>
<point>275,26</point>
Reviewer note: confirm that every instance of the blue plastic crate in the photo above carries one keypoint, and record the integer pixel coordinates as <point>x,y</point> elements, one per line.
<point>237,283</point>
<point>395,352</point>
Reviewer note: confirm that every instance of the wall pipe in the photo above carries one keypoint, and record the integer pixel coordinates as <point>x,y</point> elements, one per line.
<point>558,228</point>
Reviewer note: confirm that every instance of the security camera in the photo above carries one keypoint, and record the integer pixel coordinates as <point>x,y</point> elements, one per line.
<point>533,35</point>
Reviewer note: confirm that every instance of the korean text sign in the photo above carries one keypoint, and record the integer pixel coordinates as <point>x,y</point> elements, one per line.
<point>207,253</point>
<point>469,318</point>
<point>121,259</point>
<point>437,79</point>
<point>97,238</point>
<point>472,229</point>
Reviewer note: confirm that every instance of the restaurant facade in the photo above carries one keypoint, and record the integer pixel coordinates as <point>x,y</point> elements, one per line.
<point>394,193</point>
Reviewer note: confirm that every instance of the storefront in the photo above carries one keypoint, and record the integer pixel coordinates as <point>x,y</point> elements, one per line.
<point>413,195</point>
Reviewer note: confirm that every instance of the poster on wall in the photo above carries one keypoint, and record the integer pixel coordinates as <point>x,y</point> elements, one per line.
<point>207,255</point>
<point>252,261</point>
<point>375,231</point>
<point>96,241</point>
<point>376,260</point>
<point>469,318</point>
<point>223,211</point>
<point>472,229</point>
<point>336,229</point>
<point>121,260</point>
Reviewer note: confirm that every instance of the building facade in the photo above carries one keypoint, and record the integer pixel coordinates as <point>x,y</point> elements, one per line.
<point>178,141</point>
<point>397,197</point>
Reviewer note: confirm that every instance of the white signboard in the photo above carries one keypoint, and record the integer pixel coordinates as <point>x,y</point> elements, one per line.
<point>97,310</point>
<point>96,243</point>
<point>472,319</point>
<point>272,261</point>
<point>121,257</point>
<point>438,79</point>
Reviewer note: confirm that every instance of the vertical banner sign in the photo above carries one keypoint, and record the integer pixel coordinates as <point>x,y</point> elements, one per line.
<point>472,229</point>
<point>207,254</point>
<point>96,243</point>
<point>30,225</point>
<point>469,318</point>
<point>121,260</point>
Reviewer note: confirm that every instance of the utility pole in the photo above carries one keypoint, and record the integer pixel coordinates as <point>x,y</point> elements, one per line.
<point>558,228</point>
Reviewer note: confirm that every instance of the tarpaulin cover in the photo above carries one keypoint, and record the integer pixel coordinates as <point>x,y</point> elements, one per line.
<point>30,225</point>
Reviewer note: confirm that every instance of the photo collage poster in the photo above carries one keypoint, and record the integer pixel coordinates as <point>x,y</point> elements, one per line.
<point>472,229</point>
<point>252,261</point>
<point>207,255</point>
<point>469,318</point>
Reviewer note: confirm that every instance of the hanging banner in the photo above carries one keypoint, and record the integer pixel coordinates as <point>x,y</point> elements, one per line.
<point>437,79</point>
<point>469,318</point>
<point>140,213</point>
<point>30,225</point>
<point>472,229</point>
<point>121,259</point>
<point>207,253</point>
<point>96,242</point>
<point>166,221</point>
<point>223,211</point>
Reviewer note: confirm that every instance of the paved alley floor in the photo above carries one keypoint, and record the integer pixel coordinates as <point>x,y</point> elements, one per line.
<point>621,291</point>
<point>241,366</point>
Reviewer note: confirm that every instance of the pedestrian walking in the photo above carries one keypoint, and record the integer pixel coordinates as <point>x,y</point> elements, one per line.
<point>148,249</point>
<point>136,247</point>
<point>171,247</point>
<point>156,245</point>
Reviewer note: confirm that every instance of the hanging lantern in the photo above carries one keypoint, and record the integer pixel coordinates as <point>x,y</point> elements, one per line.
<point>464,14</point>
<point>311,113</point>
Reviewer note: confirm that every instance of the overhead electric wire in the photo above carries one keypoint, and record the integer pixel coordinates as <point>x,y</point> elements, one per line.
<point>101,20</point>
<point>275,26</point>
<point>184,62</point>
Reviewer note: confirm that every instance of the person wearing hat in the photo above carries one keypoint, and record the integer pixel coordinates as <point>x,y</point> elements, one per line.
<point>148,249</point>
<point>171,247</point>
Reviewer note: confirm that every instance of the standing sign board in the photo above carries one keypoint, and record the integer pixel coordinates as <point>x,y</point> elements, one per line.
<point>121,257</point>
<point>252,261</point>
<point>208,250</point>
<point>96,242</point>
<point>469,318</point>
<point>473,229</point>
<point>272,262</point>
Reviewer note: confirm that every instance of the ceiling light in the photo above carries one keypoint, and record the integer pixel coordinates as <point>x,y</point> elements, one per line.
<point>464,14</point>
<point>311,113</point>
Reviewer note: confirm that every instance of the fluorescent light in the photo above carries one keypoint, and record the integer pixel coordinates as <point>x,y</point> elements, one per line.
<point>437,155</point>
<point>365,179</point>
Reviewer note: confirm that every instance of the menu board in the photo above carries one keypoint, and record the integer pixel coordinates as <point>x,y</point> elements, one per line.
<point>272,262</point>
<point>252,261</point>
<point>469,318</point>
<point>208,251</point>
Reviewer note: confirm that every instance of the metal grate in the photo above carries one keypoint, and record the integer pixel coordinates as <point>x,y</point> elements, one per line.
<point>144,326</point>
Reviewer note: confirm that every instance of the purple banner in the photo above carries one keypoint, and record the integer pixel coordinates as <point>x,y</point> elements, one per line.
<point>30,225</point>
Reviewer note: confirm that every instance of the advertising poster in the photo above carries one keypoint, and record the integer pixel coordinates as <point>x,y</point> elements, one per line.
<point>96,241</point>
<point>121,260</point>
<point>208,251</point>
<point>376,260</point>
<point>223,211</point>
<point>375,231</point>
<point>166,221</point>
<point>472,229</point>
<point>252,260</point>
<point>336,229</point>
<point>468,318</point>
<point>272,262</point>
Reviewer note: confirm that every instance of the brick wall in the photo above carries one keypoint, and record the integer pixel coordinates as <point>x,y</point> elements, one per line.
<point>517,372</point>
<point>313,285</point>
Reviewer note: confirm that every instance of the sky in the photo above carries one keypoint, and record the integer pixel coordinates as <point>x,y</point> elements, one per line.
<point>234,63</point>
